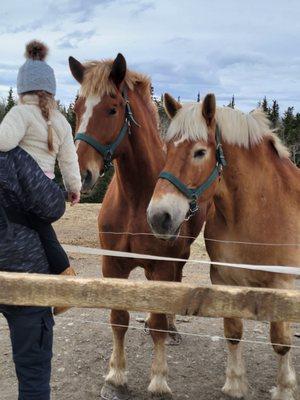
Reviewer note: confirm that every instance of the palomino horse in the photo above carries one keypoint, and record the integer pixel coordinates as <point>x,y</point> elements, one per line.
<point>116,119</point>
<point>256,199</point>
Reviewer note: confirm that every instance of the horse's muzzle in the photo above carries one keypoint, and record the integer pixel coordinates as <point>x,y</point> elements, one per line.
<point>87,181</point>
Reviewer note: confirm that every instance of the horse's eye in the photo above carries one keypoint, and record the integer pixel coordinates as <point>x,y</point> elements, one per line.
<point>199,153</point>
<point>112,111</point>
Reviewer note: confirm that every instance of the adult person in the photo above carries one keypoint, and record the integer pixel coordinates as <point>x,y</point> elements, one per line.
<point>26,191</point>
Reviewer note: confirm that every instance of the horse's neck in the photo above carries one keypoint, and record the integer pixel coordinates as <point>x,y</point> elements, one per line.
<point>138,167</point>
<point>257,190</point>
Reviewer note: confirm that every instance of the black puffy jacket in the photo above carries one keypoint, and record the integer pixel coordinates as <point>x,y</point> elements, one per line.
<point>26,189</point>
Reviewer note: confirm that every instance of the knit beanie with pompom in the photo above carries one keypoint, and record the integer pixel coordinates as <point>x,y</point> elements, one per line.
<point>36,74</point>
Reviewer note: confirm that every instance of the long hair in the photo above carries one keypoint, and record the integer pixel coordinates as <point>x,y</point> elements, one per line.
<point>46,105</point>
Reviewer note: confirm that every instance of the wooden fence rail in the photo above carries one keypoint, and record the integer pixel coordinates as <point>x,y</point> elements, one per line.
<point>158,297</point>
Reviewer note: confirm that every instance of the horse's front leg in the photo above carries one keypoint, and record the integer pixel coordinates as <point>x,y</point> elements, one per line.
<point>159,370</point>
<point>175,337</point>
<point>117,365</point>
<point>286,388</point>
<point>115,387</point>
<point>236,384</point>
<point>157,324</point>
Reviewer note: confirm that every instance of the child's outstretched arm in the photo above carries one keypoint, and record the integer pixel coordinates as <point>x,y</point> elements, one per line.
<point>69,167</point>
<point>12,129</point>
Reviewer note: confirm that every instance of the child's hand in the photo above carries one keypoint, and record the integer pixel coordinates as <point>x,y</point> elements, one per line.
<point>74,198</point>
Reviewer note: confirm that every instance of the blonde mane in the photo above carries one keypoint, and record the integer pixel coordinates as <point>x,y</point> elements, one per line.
<point>237,128</point>
<point>97,82</point>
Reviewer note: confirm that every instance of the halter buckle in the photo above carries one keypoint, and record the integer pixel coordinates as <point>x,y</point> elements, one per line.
<point>193,208</point>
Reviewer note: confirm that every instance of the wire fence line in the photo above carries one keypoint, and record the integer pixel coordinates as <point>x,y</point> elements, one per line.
<point>276,269</point>
<point>205,238</point>
<point>213,338</point>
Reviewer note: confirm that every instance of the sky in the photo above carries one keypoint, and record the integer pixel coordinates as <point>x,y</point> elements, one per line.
<point>247,48</point>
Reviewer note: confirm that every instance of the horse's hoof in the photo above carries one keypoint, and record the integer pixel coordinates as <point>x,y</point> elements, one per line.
<point>162,396</point>
<point>112,392</point>
<point>236,387</point>
<point>284,394</point>
<point>175,339</point>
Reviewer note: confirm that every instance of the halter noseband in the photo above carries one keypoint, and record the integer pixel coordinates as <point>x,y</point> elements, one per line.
<point>107,150</point>
<point>194,193</point>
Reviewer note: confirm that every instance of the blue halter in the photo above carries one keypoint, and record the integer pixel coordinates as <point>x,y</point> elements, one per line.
<point>107,150</point>
<point>194,193</point>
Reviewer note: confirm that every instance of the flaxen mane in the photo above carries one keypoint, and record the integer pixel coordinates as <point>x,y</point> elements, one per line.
<point>96,82</point>
<point>238,128</point>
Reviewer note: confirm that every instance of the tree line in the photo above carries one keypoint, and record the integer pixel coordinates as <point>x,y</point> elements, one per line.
<point>287,126</point>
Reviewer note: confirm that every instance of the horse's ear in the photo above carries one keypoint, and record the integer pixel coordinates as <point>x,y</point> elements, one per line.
<point>118,70</point>
<point>209,108</point>
<point>77,69</point>
<point>171,105</point>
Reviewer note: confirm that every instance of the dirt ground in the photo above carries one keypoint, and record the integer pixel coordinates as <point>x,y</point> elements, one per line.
<point>83,340</point>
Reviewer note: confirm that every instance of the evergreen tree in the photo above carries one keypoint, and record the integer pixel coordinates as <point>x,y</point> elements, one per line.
<point>2,109</point>
<point>264,105</point>
<point>71,117</point>
<point>10,102</point>
<point>289,131</point>
<point>232,102</point>
<point>152,91</point>
<point>163,118</point>
<point>274,114</point>
<point>297,125</point>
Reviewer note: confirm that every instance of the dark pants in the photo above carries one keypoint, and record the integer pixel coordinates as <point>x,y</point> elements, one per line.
<point>31,333</point>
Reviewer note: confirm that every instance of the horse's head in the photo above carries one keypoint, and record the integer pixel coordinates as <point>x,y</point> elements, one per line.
<point>101,115</point>
<point>194,162</point>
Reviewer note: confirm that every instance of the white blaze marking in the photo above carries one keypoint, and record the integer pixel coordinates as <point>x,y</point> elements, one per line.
<point>90,103</point>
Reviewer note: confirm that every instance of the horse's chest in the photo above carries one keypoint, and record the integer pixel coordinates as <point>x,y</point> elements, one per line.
<point>124,228</point>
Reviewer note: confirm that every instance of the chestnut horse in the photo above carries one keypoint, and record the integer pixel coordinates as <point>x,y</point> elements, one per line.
<point>117,119</point>
<point>256,199</point>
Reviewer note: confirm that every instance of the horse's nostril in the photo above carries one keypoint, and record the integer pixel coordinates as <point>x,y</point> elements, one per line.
<point>166,221</point>
<point>86,177</point>
<point>161,222</point>
<point>87,181</point>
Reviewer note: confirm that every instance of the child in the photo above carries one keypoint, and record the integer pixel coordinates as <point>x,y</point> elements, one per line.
<point>37,126</point>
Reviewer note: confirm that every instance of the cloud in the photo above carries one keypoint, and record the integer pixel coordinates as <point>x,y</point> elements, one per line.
<point>143,7</point>
<point>8,67</point>
<point>74,39</point>
<point>244,48</point>
<point>81,10</point>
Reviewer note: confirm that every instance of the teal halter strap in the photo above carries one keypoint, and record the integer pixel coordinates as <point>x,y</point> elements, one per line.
<point>107,150</point>
<point>194,193</point>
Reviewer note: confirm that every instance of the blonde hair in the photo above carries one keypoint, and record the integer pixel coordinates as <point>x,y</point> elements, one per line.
<point>46,105</point>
